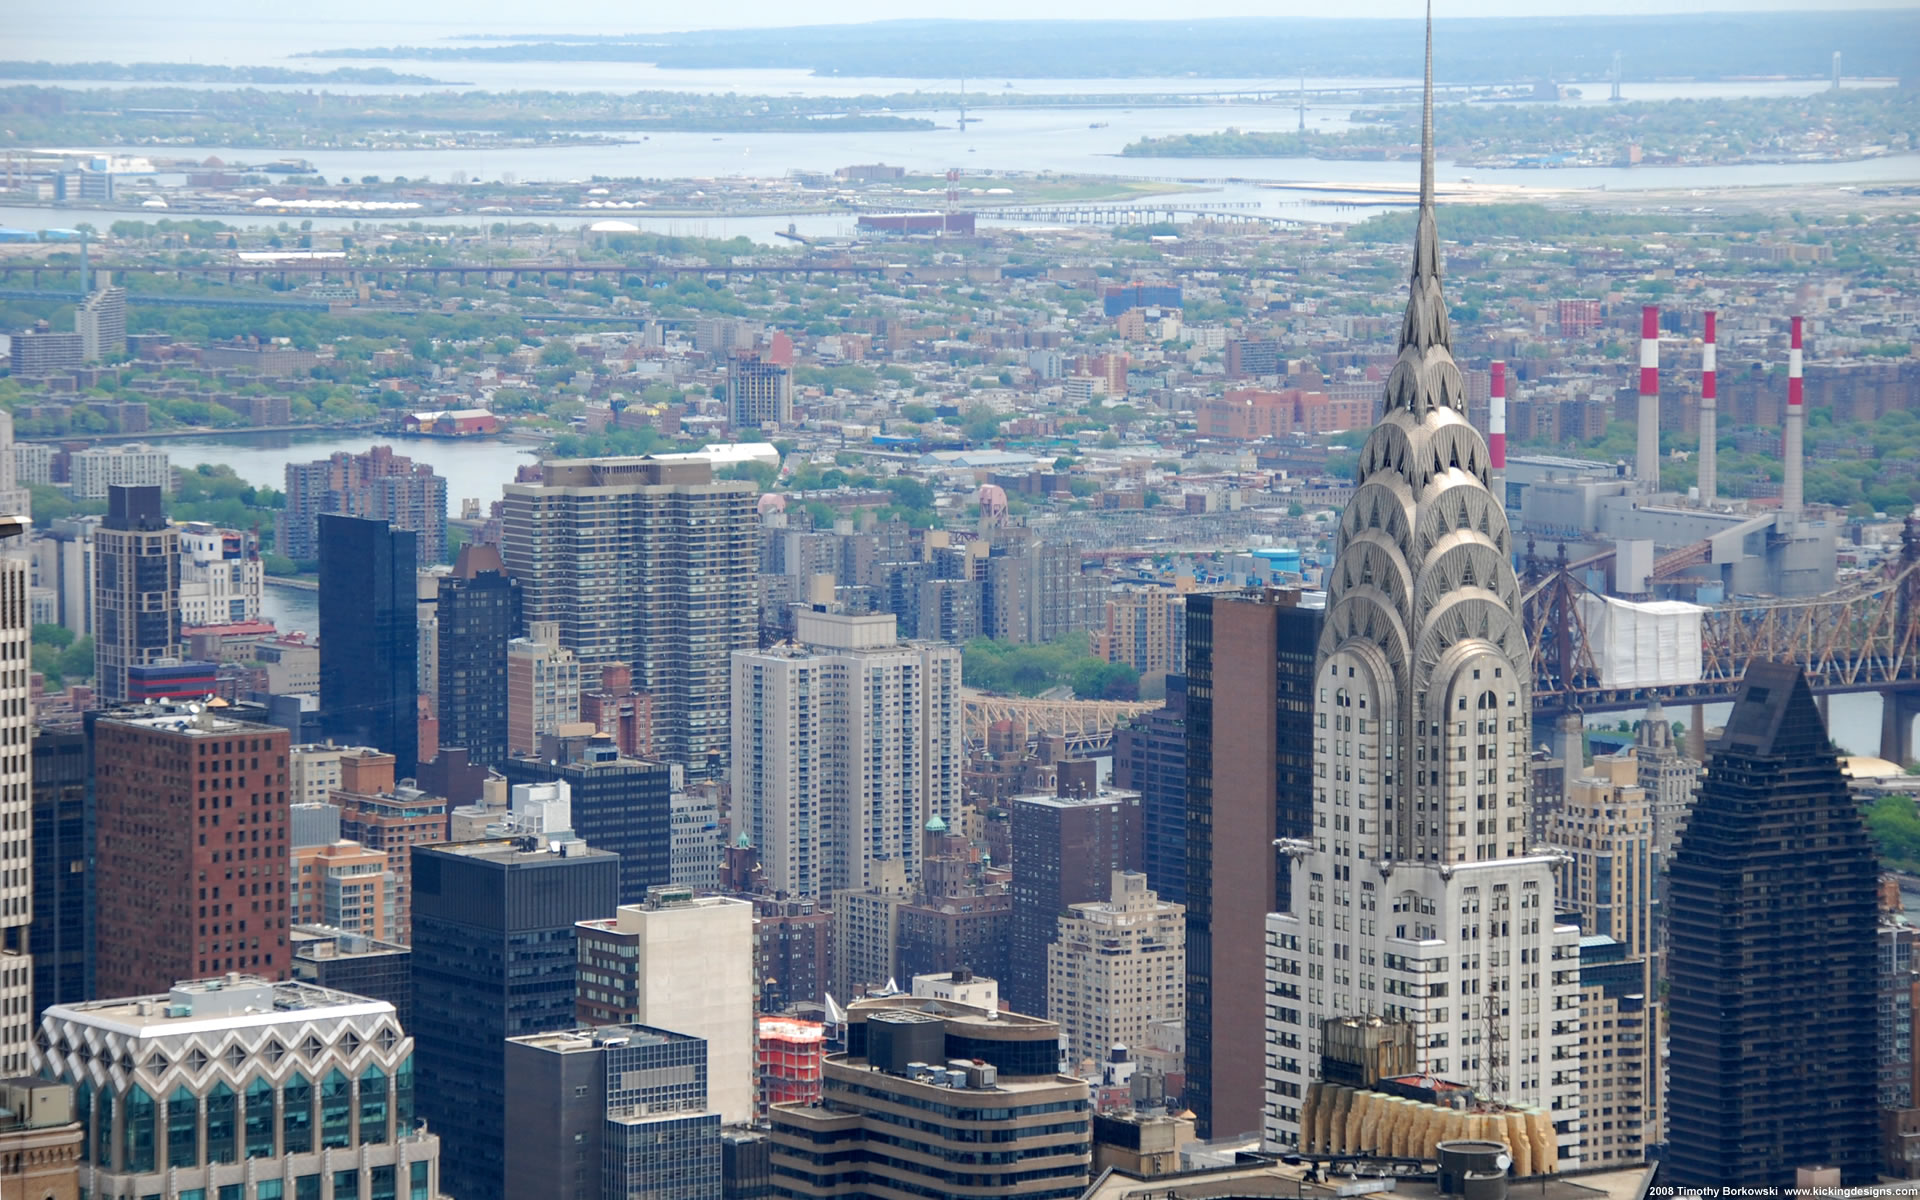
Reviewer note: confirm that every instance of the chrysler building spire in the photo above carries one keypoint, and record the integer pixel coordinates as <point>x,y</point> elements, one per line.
<point>1416,899</point>
<point>1424,376</point>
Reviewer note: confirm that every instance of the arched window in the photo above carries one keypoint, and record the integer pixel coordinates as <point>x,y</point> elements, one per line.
<point>183,1128</point>
<point>336,1111</point>
<point>373,1106</point>
<point>259,1119</point>
<point>296,1116</point>
<point>223,1133</point>
<point>138,1133</point>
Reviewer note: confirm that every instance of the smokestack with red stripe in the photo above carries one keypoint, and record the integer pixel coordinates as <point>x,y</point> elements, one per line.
<point>1792,491</point>
<point>1709,415</point>
<point>1497,430</point>
<point>1647,459</point>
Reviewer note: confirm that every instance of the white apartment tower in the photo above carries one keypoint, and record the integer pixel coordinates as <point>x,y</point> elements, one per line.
<point>845,744</point>
<point>1416,898</point>
<point>1117,968</point>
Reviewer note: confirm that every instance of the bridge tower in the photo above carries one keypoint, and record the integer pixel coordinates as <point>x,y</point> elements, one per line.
<point>1899,706</point>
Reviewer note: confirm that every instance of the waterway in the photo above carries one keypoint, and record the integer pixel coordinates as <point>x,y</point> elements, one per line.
<point>473,468</point>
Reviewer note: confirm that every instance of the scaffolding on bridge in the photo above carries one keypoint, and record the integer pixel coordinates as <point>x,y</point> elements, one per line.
<point>1859,638</point>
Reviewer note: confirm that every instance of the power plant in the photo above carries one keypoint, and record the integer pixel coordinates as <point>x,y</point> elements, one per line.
<point>1631,539</point>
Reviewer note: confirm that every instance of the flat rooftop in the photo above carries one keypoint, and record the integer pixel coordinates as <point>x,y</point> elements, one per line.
<point>578,1041</point>
<point>517,850</point>
<point>202,1005</point>
<point>193,720</point>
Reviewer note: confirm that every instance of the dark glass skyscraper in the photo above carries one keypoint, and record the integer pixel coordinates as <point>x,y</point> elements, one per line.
<point>1150,757</point>
<point>1065,851</point>
<point>369,638</point>
<point>62,869</point>
<point>1249,762</point>
<point>136,596</point>
<point>493,958</point>
<point>1772,1052</point>
<point>479,611</point>
<point>619,804</point>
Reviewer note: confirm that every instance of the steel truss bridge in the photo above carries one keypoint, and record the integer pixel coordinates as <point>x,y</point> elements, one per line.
<point>1861,638</point>
<point>1086,724</point>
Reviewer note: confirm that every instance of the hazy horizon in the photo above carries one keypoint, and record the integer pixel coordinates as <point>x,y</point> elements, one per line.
<point>91,29</point>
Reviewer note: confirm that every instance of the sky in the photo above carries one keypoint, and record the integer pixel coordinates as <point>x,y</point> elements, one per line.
<point>373,22</point>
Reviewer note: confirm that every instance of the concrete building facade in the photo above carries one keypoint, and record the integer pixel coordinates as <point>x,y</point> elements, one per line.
<point>685,964</point>
<point>1118,966</point>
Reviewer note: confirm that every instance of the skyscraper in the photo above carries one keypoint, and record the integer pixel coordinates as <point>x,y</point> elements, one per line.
<point>596,534</point>
<point>191,848</point>
<point>894,1120</point>
<point>379,485</point>
<point>543,687</point>
<point>682,963</point>
<point>493,958</point>
<point>1771,915</point>
<point>219,1083</point>
<point>63,869</point>
<point>1065,851</point>
<point>1249,779</point>
<point>369,637</point>
<point>1150,757</point>
<point>759,392</point>
<point>16,808</point>
<point>845,744</point>
<point>136,605</point>
<point>609,1113</point>
<point>619,804</point>
<point>101,322</point>
<point>1415,896</point>
<point>1117,966</point>
<point>1606,828</point>
<point>478,610</point>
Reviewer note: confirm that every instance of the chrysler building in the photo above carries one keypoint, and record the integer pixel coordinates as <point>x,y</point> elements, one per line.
<point>1417,899</point>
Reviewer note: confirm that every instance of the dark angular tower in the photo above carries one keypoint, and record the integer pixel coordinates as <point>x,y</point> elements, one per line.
<point>370,638</point>
<point>479,611</point>
<point>1771,911</point>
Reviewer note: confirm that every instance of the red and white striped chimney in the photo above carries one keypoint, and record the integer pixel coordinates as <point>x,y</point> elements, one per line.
<point>1709,416</point>
<point>1497,430</point>
<point>1647,424</point>
<point>1792,491</point>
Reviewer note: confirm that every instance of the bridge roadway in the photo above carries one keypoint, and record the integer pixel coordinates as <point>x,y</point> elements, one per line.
<point>1864,637</point>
